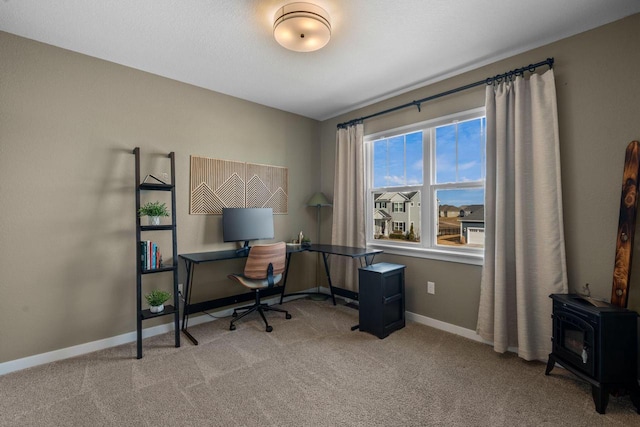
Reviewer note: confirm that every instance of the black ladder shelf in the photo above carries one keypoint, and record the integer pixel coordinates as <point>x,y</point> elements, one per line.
<point>140,271</point>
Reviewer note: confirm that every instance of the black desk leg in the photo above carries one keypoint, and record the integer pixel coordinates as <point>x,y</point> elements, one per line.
<point>187,300</point>
<point>326,269</point>
<point>286,274</point>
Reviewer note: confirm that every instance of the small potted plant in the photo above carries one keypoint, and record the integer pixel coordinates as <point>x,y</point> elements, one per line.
<point>154,210</point>
<point>156,300</point>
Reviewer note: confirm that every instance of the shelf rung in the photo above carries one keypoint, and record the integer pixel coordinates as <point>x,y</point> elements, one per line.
<point>158,270</point>
<point>168,309</point>
<point>157,187</point>
<point>156,227</point>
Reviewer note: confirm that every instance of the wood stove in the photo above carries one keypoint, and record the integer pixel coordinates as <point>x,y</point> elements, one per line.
<point>597,342</point>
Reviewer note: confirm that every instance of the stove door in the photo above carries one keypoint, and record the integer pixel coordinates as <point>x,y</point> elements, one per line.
<point>573,341</point>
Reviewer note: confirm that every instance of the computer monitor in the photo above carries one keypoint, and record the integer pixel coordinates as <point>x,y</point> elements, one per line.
<point>246,224</point>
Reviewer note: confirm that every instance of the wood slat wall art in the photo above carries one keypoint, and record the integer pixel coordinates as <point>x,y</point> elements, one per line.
<point>216,184</point>
<point>267,187</point>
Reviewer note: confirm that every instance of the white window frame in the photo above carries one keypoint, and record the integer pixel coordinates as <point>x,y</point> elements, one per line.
<point>429,209</point>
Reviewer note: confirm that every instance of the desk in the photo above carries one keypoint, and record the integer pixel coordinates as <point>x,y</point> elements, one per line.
<point>191,260</point>
<point>365,256</point>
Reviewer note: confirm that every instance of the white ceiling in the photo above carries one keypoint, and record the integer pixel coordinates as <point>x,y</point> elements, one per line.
<point>379,48</point>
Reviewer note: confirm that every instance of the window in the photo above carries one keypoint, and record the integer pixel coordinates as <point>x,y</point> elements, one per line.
<point>398,227</point>
<point>432,174</point>
<point>398,207</point>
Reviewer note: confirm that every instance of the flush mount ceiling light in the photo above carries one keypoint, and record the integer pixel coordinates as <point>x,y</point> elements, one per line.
<point>302,27</point>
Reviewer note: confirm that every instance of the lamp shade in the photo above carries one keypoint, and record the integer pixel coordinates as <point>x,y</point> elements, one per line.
<point>302,27</point>
<point>318,199</point>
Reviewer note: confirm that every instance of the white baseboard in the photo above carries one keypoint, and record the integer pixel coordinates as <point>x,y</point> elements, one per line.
<point>453,329</point>
<point>443,326</point>
<point>80,349</point>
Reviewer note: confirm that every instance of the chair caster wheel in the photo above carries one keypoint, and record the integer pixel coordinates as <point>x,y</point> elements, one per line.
<point>288,316</point>
<point>269,328</point>
<point>234,314</point>
<point>232,327</point>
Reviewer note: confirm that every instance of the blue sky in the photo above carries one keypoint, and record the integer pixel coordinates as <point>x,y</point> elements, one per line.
<point>459,150</point>
<point>398,161</point>
<point>460,197</point>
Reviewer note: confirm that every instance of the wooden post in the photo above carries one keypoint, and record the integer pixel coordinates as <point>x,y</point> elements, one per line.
<point>626,226</point>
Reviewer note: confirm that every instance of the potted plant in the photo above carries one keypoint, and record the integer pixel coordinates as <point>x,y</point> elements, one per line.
<point>154,210</point>
<point>156,300</point>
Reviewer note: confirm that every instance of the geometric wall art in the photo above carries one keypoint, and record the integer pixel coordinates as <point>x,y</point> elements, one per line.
<point>217,184</point>
<point>266,187</point>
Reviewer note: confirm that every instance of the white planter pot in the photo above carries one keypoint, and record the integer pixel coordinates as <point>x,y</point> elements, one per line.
<point>157,308</point>
<point>154,220</point>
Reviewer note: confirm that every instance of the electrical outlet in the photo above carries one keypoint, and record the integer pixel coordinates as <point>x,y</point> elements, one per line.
<point>431,287</point>
<point>180,288</point>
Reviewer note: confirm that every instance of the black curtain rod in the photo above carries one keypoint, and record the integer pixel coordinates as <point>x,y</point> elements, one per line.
<point>491,80</point>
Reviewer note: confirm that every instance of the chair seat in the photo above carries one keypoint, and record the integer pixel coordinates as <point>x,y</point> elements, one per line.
<point>254,283</point>
<point>264,268</point>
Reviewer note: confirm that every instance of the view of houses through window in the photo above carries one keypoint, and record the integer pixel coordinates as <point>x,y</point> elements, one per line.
<point>461,223</point>
<point>456,225</point>
<point>426,187</point>
<point>401,223</point>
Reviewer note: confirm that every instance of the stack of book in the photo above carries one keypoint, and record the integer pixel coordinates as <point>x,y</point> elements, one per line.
<point>150,256</point>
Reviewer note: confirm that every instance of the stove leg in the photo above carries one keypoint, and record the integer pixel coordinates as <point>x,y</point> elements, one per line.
<point>635,398</point>
<point>600,398</point>
<point>550,364</point>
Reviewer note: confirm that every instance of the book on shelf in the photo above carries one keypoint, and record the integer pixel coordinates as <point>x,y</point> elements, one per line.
<point>150,256</point>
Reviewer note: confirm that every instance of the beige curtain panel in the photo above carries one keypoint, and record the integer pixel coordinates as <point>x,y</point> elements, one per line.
<point>348,201</point>
<point>524,260</point>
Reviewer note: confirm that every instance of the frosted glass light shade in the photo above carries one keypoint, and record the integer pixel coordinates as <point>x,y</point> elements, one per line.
<point>302,27</point>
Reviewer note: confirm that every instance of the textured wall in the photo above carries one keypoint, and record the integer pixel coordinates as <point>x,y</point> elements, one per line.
<point>68,123</point>
<point>598,91</point>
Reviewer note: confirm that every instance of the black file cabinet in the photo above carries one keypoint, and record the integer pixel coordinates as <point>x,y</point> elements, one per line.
<point>381,298</point>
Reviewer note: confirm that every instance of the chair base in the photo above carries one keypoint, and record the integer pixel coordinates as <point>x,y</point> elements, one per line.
<point>260,308</point>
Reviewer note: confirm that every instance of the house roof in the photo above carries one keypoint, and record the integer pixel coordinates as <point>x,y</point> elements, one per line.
<point>476,216</point>
<point>449,208</point>
<point>381,214</point>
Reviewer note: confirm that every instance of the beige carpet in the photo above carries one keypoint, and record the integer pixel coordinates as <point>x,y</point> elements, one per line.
<point>310,371</point>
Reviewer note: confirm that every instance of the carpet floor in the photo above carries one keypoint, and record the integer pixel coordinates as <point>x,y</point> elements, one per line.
<point>312,370</point>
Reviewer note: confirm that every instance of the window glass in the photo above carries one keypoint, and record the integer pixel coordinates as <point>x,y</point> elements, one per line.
<point>398,160</point>
<point>425,185</point>
<point>392,226</point>
<point>458,211</point>
<point>460,155</point>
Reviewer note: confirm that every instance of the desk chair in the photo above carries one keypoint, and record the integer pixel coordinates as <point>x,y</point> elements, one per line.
<point>263,270</point>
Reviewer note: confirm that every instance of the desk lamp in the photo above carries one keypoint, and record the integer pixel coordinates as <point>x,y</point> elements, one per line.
<point>318,200</point>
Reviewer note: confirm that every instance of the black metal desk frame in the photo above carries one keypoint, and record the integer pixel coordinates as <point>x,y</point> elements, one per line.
<point>190,261</point>
<point>365,257</point>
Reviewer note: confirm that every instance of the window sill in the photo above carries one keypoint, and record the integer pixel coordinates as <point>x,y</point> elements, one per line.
<point>463,257</point>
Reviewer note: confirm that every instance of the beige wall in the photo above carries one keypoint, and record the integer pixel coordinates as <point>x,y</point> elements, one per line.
<point>68,124</point>
<point>598,90</point>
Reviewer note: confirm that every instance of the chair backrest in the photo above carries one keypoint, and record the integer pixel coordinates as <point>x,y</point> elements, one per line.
<point>261,255</point>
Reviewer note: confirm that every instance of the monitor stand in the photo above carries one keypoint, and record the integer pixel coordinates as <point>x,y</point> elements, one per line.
<point>244,250</point>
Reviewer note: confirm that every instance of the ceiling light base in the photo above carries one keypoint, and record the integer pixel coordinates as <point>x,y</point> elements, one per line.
<point>302,27</point>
